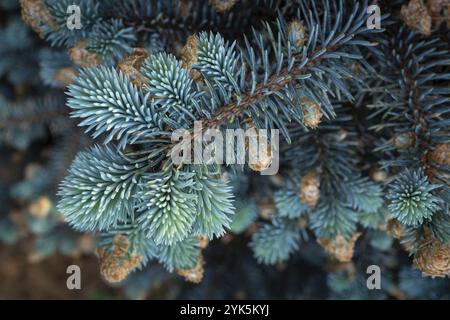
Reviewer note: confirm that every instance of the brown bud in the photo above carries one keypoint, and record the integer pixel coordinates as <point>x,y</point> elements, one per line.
<point>131,65</point>
<point>439,11</point>
<point>435,6</point>
<point>379,175</point>
<point>298,33</point>
<point>260,154</point>
<point>40,208</point>
<point>261,161</point>
<point>416,16</point>
<point>310,188</point>
<point>340,248</point>
<point>35,257</point>
<point>31,169</point>
<point>312,113</point>
<point>440,154</point>
<point>65,75</point>
<point>403,140</point>
<point>203,241</point>
<point>222,5</point>
<point>194,275</point>
<point>35,14</point>
<point>341,135</point>
<point>117,264</point>
<point>433,259</point>
<point>410,243</point>
<point>189,57</point>
<point>80,56</point>
<point>85,243</point>
<point>395,229</point>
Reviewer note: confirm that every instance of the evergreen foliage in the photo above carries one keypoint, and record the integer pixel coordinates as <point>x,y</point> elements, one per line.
<point>362,112</point>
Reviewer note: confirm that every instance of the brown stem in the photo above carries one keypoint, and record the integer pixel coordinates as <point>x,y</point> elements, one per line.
<point>228,111</point>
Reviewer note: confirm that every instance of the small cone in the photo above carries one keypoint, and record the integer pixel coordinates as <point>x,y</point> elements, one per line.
<point>40,208</point>
<point>203,241</point>
<point>35,13</point>
<point>194,275</point>
<point>403,140</point>
<point>222,5</point>
<point>416,16</point>
<point>340,248</point>
<point>395,229</point>
<point>298,33</point>
<point>310,189</point>
<point>433,259</point>
<point>117,264</point>
<point>132,64</point>
<point>80,56</point>
<point>189,57</point>
<point>312,113</point>
<point>441,154</point>
<point>261,154</point>
<point>379,175</point>
<point>65,75</point>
